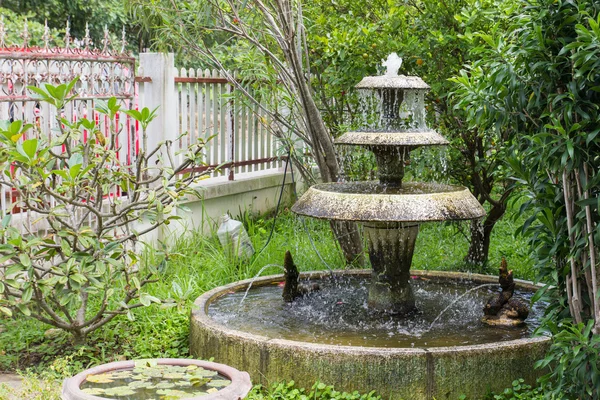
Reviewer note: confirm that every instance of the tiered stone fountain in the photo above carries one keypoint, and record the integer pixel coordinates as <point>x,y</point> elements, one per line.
<point>391,210</point>
<point>388,328</point>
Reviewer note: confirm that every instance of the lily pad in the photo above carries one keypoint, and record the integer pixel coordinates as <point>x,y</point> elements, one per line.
<point>146,363</point>
<point>165,385</point>
<point>140,385</point>
<point>199,380</point>
<point>122,374</point>
<point>100,378</point>
<point>152,373</point>
<point>173,375</point>
<point>93,391</point>
<point>212,390</point>
<point>218,383</point>
<point>205,372</point>
<point>119,391</point>
<point>172,393</point>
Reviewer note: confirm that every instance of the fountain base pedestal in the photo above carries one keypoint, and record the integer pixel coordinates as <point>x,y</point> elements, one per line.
<point>391,247</point>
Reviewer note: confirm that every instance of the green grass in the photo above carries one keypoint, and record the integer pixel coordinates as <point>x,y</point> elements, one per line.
<point>197,264</point>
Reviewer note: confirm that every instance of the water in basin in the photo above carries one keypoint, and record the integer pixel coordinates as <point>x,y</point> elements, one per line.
<point>338,315</point>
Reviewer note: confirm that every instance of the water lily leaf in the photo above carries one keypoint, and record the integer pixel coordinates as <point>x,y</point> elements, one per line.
<point>183,383</point>
<point>152,373</point>
<point>145,363</point>
<point>218,383</point>
<point>100,378</point>
<point>199,381</point>
<point>173,375</point>
<point>172,393</point>
<point>191,367</point>
<point>205,372</point>
<point>212,390</point>
<point>119,391</point>
<point>122,374</point>
<point>140,385</point>
<point>165,385</point>
<point>93,391</point>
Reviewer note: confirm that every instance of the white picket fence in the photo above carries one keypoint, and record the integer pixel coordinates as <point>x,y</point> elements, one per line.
<point>237,133</point>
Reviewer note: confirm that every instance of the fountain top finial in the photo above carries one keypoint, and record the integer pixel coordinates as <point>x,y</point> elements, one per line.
<point>392,64</point>
<point>391,79</point>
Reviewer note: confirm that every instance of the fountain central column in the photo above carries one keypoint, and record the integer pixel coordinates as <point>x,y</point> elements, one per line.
<point>391,248</point>
<point>391,244</point>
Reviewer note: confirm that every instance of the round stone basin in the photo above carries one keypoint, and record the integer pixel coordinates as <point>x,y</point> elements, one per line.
<point>229,383</point>
<point>339,342</point>
<point>370,201</point>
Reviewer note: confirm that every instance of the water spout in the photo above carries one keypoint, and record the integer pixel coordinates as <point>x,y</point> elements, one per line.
<point>256,277</point>
<point>392,64</point>
<point>457,299</point>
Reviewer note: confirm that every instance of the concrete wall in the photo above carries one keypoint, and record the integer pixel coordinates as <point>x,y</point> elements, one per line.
<point>255,194</point>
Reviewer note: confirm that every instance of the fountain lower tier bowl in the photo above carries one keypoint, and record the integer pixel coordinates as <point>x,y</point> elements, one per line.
<point>373,202</point>
<point>331,336</point>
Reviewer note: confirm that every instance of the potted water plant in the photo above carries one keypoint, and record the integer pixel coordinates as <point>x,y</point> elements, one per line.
<point>164,378</point>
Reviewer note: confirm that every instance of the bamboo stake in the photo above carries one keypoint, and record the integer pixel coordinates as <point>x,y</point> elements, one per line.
<point>592,251</point>
<point>573,294</point>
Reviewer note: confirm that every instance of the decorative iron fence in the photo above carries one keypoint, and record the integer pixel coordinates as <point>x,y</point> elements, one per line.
<point>192,105</point>
<point>102,73</point>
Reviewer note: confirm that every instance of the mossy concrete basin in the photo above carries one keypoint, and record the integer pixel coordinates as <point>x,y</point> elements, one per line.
<point>395,373</point>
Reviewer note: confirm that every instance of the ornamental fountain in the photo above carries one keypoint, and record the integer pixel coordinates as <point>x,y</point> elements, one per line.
<point>407,334</point>
<point>390,210</point>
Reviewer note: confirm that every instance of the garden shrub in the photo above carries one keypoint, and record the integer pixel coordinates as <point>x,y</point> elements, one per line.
<point>84,268</point>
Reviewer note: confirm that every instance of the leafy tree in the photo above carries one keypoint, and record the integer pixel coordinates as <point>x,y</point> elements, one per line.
<point>84,270</point>
<point>272,34</point>
<point>13,25</point>
<point>93,14</point>
<point>538,77</point>
<point>348,40</point>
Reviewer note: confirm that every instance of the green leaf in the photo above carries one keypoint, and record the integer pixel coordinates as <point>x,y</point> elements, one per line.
<point>23,309</point>
<point>6,220</point>
<point>30,147</point>
<point>147,299</point>
<point>27,294</point>
<point>25,260</point>
<point>6,311</point>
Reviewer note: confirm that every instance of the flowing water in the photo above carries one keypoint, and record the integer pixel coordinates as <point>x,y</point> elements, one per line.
<point>338,314</point>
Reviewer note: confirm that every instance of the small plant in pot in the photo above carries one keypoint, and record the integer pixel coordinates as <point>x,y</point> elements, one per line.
<point>163,378</point>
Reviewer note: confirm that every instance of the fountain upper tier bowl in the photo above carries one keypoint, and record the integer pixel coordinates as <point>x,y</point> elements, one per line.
<point>373,202</point>
<point>392,82</point>
<point>415,138</point>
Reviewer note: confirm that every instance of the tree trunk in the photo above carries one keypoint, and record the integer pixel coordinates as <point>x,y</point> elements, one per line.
<point>481,233</point>
<point>350,241</point>
<point>346,232</point>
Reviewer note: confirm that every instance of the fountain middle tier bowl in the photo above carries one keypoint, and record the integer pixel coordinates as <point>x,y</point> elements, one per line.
<point>371,201</point>
<point>416,138</point>
<point>331,336</point>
